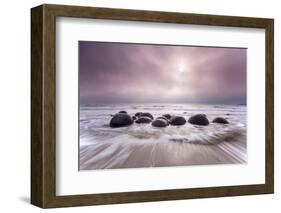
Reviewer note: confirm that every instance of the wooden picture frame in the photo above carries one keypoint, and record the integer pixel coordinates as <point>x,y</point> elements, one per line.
<point>43,105</point>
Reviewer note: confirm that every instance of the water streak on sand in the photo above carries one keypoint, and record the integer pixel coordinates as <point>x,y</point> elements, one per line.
<point>142,145</point>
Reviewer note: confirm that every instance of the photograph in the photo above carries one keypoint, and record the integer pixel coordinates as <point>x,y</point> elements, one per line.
<point>147,105</point>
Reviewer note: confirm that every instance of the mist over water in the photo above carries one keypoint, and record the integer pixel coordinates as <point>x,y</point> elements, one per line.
<point>142,145</point>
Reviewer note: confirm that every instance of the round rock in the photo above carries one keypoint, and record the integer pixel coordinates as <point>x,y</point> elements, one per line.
<point>168,116</point>
<point>220,120</point>
<point>177,121</point>
<point>160,123</point>
<point>199,119</point>
<point>123,112</point>
<point>120,120</point>
<point>162,117</point>
<point>138,114</point>
<point>143,120</point>
<point>146,114</point>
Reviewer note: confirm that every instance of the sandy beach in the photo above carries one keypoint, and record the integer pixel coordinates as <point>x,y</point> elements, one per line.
<point>142,145</point>
<point>139,155</point>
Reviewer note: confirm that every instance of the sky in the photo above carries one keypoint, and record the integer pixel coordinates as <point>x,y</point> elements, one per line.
<point>150,73</point>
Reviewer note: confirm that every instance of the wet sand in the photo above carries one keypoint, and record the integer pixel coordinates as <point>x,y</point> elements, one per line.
<point>131,154</point>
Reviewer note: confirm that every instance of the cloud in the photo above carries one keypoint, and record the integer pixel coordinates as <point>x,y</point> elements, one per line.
<point>116,72</point>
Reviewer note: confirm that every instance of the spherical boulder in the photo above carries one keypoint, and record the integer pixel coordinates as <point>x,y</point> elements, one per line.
<point>220,120</point>
<point>138,114</point>
<point>143,120</point>
<point>121,120</point>
<point>177,121</point>
<point>160,123</point>
<point>147,114</point>
<point>199,119</point>
<point>168,116</point>
<point>123,112</point>
<point>162,117</point>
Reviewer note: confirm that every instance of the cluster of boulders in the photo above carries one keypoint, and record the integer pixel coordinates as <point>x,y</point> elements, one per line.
<point>123,119</point>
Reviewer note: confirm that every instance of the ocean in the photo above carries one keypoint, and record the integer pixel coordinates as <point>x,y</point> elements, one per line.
<point>142,145</point>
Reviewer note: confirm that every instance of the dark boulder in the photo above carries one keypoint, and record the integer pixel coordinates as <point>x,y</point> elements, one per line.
<point>138,114</point>
<point>147,114</point>
<point>159,122</point>
<point>220,120</point>
<point>168,116</point>
<point>162,117</point>
<point>134,117</point>
<point>121,120</point>
<point>199,119</point>
<point>177,121</point>
<point>143,120</point>
<point>123,112</point>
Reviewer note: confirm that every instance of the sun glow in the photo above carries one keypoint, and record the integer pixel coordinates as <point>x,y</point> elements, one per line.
<point>182,68</point>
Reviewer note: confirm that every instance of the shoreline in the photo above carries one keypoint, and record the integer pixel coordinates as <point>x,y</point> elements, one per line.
<point>140,144</point>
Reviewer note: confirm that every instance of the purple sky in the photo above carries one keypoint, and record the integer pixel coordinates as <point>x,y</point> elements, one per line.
<point>137,73</point>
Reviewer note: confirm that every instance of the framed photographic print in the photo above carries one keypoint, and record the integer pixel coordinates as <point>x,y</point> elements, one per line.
<point>135,106</point>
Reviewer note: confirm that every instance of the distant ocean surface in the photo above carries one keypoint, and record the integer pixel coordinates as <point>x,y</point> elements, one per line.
<point>142,145</point>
